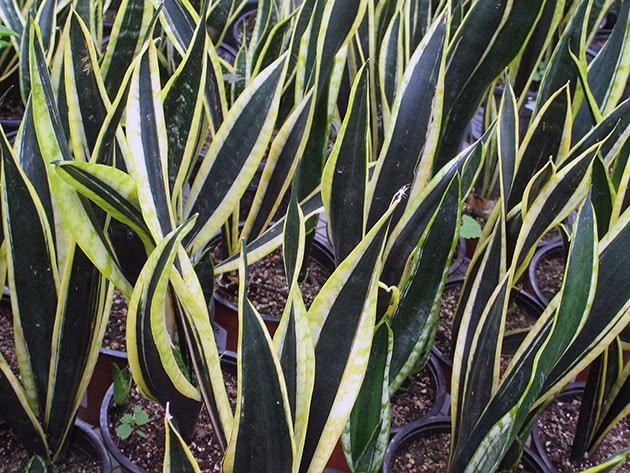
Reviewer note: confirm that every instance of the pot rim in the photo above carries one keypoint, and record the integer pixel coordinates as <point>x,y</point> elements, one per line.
<point>442,424</point>
<point>92,443</point>
<point>572,389</point>
<point>226,357</point>
<point>442,402</point>
<point>548,249</point>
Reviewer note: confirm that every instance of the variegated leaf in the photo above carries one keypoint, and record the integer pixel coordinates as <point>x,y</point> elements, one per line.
<point>366,434</point>
<point>342,331</point>
<point>262,437</point>
<point>234,154</point>
<point>150,322</point>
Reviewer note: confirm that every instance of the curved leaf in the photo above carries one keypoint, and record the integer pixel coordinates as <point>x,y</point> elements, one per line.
<point>151,359</point>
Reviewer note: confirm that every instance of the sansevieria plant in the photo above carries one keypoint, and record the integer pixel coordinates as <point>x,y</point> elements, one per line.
<point>59,299</point>
<point>163,189</point>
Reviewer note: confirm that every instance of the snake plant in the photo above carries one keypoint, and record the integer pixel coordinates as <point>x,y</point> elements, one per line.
<point>59,298</point>
<point>164,185</point>
<point>295,391</point>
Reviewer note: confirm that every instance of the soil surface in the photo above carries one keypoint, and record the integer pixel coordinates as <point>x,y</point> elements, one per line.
<point>518,317</point>
<point>148,452</point>
<point>428,455</point>
<point>7,343</point>
<point>448,306</point>
<point>414,399</point>
<point>14,457</point>
<point>116,325</point>
<point>268,288</point>
<point>549,273</point>
<point>556,427</point>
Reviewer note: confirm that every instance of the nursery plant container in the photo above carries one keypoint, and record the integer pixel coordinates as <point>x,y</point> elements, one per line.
<point>102,377</point>
<point>442,400</point>
<point>229,37</point>
<point>226,313</point>
<point>553,250</point>
<point>237,29</point>
<point>100,382</point>
<point>439,425</point>
<point>228,362</point>
<point>460,262</point>
<point>86,439</point>
<point>510,341</point>
<point>83,438</point>
<point>572,390</point>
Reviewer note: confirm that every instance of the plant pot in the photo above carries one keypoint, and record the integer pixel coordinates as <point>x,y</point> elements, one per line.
<point>459,265</point>
<point>603,451</point>
<point>442,400</point>
<point>99,383</point>
<point>101,380</point>
<point>228,362</point>
<point>226,314</point>
<point>573,389</point>
<point>510,341</point>
<point>85,439</point>
<point>237,28</point>
<point>337,461</point>
<point>440,425</point>
<point>229,37</point>
<point>553,250</point>
<point>227,52</point>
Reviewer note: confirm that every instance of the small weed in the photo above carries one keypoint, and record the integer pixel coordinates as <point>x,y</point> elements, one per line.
<point>129,423</point>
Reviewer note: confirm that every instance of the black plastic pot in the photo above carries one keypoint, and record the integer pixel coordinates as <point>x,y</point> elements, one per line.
<point>228,362</point>
<point>442,401</point>
<point>552,250</point>
<point>85,439</point>
<point>226,314</point>
<point>439,425</point>
<point>510,341</point>
<point>572,390</point>
<point>227,52</point>
<point>237,28</point>
<point>102,378</point>
<point>459,264</point>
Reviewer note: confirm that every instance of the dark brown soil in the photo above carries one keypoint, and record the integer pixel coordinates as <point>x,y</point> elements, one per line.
<point>549,273</point>
<point>268,288</point>
<point>448,305</point>
<point>518,317</point>
<point>13,457</point>
<point>428,455</point>
<point>414,399</point>
<point>7,343</point>
<point>556,426</point>
<point>116,325</point>
<point>148,452</point>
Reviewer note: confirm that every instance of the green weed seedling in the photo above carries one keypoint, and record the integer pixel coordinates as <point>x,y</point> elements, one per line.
<point>129,423</point>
